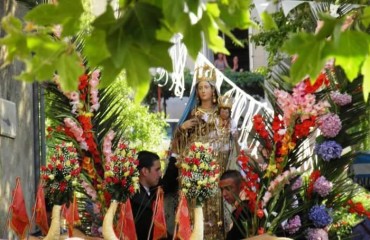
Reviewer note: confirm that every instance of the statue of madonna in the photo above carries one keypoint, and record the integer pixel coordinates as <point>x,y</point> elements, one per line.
<point>201,122</point>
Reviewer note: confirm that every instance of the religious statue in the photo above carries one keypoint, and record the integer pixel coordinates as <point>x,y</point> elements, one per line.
<point>227,133</point>
<point>204,121</point>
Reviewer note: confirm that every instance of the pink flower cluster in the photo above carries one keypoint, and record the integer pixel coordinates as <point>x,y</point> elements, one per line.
<point>292,225</point>
<point>94,82</point>
<point>75,100</point>
<point>322,186</point>
<point>277,183</point>
<point>340,99</point>
<point>316,234</point>
<point>89,190</point>
<point>299,102</point>
<point>77,132</point>
<point>330,125</point>
<point>297,184</point>
<point>107,145</point>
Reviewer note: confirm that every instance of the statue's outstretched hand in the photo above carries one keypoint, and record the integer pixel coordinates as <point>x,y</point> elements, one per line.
<point>188,124</point>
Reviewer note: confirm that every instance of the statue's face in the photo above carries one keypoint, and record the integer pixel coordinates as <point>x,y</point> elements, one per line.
<point>224,113</point>
<point>205,91</point>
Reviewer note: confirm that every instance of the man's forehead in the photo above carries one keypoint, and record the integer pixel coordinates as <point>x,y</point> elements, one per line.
<point>226,182</point>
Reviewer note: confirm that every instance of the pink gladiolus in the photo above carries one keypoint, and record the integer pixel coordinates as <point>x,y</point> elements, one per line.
<point>107,145</point>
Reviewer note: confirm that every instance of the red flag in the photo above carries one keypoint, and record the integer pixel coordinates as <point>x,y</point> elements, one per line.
<point>183,227</point>
<point>40,210</point>
<point>125,228</point>
<point>71,216</point>
<point>19,221</point>
<point>159,220</point>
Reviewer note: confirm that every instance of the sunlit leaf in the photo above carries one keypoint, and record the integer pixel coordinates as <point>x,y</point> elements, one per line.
<point>268,21</point>
<point>44,14</point>
<point>15,41</point>
<point>310,58</point>
<point>69,68</point>
<point>65,12</point>
<point>118,46</point>
<point>105,20</point>
<point>329,25</point>
<point>215,42</point>
<point>365,18</point>
<point>193,5</point>
<point>193,40</point>
<point>235,13</point>
<point>95,56</point>
<point>157,57</point>
<point>172,10</point>
<point>109,74</point>
<point>228,33</point>
<point>349,51</point>
<point>365,70</point>
<point>137,75</point>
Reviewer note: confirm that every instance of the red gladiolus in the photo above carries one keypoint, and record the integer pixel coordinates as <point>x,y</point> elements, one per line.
<point>83,81</point>
<point>260,213</point>
<point>321,79</point>
<point>313,177</point>
<point>261,231</point>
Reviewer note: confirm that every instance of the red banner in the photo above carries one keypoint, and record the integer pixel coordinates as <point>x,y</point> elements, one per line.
<point>19,221</point>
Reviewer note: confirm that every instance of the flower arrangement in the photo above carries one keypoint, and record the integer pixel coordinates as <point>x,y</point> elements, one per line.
<point>300,110</point>
<point>61,174</point>
<point>302,204</point>
<point>199,173</point>
<point>86,117</point>
<point>121,177</point>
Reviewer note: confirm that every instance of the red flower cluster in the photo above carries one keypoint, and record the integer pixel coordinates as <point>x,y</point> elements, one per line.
<point>61,173</point>
<point>313,177</point>
<point>358,208</point>
<point>277,124</point>
<point>199,173</point>
<point>83,86</point>
<point>302,130</point>
<point>121,177</point>
<point>260,127</point>
<point>251,184</point>
<point>321,79</point>
<point>85,121</point>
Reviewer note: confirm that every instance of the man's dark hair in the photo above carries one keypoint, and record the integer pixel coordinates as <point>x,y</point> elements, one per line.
<point>234,174</point>
<point>146,159</point>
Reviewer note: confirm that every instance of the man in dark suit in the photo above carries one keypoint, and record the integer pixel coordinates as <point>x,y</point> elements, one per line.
<point>150,174</point>
<point>231,185</point>
<point>149,178</point>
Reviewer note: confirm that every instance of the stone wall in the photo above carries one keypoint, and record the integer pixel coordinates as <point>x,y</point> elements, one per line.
<point>16,154</point>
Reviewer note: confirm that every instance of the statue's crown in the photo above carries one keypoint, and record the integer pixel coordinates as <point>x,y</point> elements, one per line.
<point>205,73</point>
<point>225,102</point>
